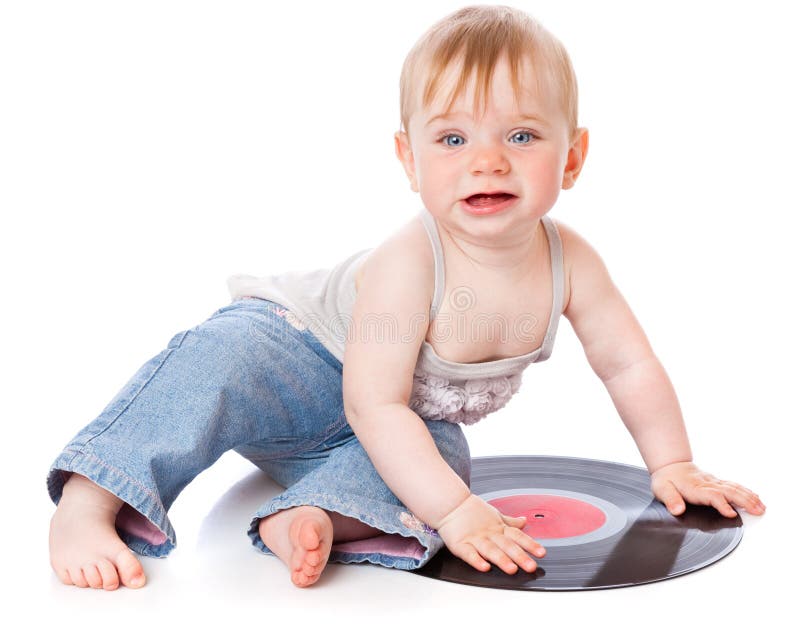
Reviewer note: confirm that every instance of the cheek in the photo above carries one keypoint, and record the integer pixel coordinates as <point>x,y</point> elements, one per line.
<point>546,173</point>
<point>543,181</point>
<point>435,174</point>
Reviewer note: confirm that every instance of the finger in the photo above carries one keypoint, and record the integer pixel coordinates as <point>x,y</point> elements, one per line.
<point>517,522</point>
<point>526,542</point>
<point>743,497</point>
<point>732,484</point>
<point>719,502</point>
<point>754,505</point>
<point>492,552</point>
<point>710,496</point>
<point>470,555</point>
<point>516,553</point>
<point>667,493</point>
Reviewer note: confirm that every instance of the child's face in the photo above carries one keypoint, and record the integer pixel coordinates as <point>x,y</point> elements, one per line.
<point>448,160</point>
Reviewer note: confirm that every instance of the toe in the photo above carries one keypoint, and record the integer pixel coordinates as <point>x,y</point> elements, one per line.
<point>130,570</point>
<point>310,535</point>
<point>313,558</point>
<point>62,574</point>
<point>76,575</point>
<point>109,574</point>
<point>308,570</point>
<point>92,576</point>
<point>308,543</point>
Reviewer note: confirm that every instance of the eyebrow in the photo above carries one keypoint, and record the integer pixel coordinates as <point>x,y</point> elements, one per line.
<point>457,114</point>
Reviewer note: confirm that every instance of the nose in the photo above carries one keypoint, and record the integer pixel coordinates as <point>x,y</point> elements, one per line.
<point>489,159</point>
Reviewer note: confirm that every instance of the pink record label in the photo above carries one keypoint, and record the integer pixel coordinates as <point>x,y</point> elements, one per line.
<point>551,516</point>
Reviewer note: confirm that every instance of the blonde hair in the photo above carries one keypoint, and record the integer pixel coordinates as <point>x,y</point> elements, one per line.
<point>477,37</point>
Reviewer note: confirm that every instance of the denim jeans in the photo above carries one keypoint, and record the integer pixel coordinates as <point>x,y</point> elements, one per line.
<point>250,380</point>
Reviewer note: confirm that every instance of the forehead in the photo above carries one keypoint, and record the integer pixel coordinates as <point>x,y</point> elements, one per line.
<point>532,91</point>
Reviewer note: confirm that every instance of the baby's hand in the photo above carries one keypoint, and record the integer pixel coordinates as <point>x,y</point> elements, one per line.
<point>476,530</point>
<point>683,480</point>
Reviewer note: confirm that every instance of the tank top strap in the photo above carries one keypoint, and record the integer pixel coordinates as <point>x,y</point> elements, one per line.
<point>438,261</point>
<point>557,266</point>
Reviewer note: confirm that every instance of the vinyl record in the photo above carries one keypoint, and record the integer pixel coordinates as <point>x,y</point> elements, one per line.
<point>599,521</point>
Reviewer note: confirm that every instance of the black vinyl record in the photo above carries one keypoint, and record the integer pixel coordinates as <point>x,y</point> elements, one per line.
<point>599,521</point>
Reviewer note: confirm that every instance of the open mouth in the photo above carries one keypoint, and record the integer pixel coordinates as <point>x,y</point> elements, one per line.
<point>488,200</point>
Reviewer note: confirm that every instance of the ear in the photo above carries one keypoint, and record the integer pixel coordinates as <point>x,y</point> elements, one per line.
<point>575,158</point>
<point>402,148</point>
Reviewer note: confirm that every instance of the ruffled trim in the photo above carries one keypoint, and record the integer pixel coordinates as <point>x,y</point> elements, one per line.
<point>464,401</point>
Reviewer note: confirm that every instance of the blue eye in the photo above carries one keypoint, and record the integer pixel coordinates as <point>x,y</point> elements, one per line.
<point>524,133</point>
<point>453,140</point>
<point>444,139</point>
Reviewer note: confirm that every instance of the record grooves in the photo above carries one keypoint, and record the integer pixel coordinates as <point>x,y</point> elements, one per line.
<point>599,521</point>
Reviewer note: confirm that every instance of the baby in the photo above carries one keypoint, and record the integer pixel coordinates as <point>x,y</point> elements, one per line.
<point>348,386</point>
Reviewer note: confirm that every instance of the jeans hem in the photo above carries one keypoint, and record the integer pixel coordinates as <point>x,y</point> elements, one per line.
<point>122,486</point>
<point>431,543</point>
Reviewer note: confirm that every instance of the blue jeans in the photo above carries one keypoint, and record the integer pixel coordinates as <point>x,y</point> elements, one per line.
<point>247,379</point>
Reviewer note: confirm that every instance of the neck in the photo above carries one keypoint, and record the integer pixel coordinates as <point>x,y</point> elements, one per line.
<point>511,258</point>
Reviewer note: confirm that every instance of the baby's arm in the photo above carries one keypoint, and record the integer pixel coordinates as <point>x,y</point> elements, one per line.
<point>393,299</point>
<point>620,354</point>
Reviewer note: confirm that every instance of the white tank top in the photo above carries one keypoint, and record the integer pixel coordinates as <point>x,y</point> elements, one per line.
<point>322,301</point>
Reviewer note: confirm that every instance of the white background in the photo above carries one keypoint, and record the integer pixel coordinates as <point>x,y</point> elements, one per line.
<point>150,149</point>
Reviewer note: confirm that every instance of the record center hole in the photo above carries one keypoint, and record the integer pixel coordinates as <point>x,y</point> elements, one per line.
<point>538,516</point>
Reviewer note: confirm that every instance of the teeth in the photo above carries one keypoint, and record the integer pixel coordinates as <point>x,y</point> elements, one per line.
<point>483,200</point>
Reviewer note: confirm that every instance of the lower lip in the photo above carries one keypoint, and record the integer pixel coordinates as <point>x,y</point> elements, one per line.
<point>487,209</point>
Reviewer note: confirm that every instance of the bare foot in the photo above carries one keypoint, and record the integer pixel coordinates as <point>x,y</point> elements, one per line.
<point>301,537</point>
<point>85,549</point>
